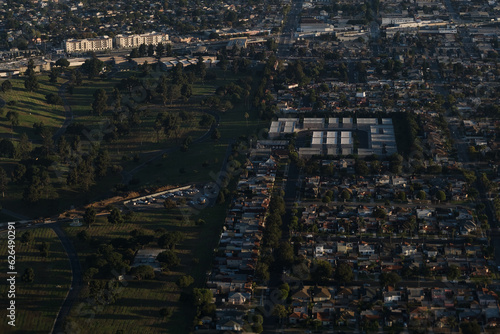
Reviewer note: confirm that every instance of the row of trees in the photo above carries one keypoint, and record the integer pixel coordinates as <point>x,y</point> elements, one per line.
<point>150,50</point>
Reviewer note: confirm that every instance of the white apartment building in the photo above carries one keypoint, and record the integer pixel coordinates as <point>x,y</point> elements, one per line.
<point>88,44</point>
<point>132,41</point>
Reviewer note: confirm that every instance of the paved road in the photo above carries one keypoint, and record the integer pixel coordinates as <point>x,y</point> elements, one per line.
<point>446,205</point>
<point>16,215</point>
<point>76,280</point>
<point>68,113</point>
<point>287,39</point>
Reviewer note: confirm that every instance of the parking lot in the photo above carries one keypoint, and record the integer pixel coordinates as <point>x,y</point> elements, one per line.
<point>190,196</point>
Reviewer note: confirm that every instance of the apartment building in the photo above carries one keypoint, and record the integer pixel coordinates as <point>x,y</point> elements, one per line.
<point>88,44</point>
<point>132,41</point>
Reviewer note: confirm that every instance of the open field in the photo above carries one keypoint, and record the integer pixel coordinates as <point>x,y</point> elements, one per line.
<point>138,302</point>
<point>31,106</point>
<point>37,303</point>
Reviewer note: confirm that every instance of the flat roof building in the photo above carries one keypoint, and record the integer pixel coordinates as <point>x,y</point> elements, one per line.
<point>133,41</point>
<point>88,44</point>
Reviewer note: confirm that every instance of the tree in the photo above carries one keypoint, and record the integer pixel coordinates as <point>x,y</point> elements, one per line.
<point>18,175</point>
<point>389,279</point>
<point>3,181</point>
<point>89,216</point>
<point>441,196</point>
<point>171,124</point>
<point>285,256</point>
<point>257,328</point>
<point>280,311</point>
<point>160,50</point>
<point>284,291</point>
<point>38,182</point>
<point>185,281</point>
<point>31,82</point>
<point>13,117</point>
<point>7,149</point>
<point>82,175</point>
<point>225,106</point>
<point>92,67</point>
<point>27,237</point>
<point>29,275</point>
<point>143,272</point>
<point>115,216</point>
<point>202,299</point>
<point>23,147</point>
<point>262,271</point>
<point>166,312</point>
<point>83,236</point>
<point>453,272</point>
<point>186,91</point>
<point>247,116</point>
<point>142,50</point>
<point>151,50</point>
<point>201,68</point>
<point>134,53</point>
<point>168,258</point>
<point>216,135</point>
<point>361,168</point>
<point>63,147</point>
<point>345,195</point>
<point>100,101</point>
<point>117,99</point>
<point>171,239</point>
<point>6,86</point>
<point>187,141</point>
<point>421,195</point>
<point>344,273</point>
<point>62,62</point>
<point>52,98</point>
<point>102,163</point>
<point>323,271</point>
<point>90,273</point>
<point>470,327</point>
<point>54,74</point>
<point>173,92</point>
<point>44,249</point>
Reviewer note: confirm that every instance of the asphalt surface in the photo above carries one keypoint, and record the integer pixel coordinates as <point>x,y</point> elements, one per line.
<point>76,280</point>
<point>15,214</point>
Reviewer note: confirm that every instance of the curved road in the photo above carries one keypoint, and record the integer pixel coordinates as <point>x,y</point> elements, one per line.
<point>76,280</point>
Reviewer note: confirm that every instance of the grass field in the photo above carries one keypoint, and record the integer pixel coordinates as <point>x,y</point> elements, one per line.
<point>31,106</point>
<point>139,302</point>
<point>181,167</point>
<point>37,303</point>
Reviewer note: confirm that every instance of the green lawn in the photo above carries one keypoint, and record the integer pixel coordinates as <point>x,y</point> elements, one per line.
<point>139,302</point>
<point>181,167</point>
<point>37,303</point>
<point>31,106</point>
